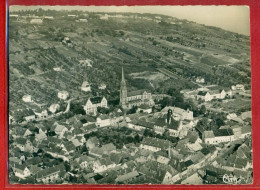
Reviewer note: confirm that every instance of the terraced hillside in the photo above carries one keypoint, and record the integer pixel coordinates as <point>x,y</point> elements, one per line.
<point>41,62</point>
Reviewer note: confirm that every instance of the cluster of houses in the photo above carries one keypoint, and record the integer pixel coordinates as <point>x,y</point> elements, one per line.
<point>135,163</point>
<point>43,152</point>
<point>212,92</point>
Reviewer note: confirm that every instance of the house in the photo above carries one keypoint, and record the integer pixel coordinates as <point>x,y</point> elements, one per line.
<point>211,95</point>
<point>104,17</point>
<point>83,20</point>
<point>86,120</point>
<point>162,159</point>
<point>96,152</point>
<point>237,131</point>
<point>86,62</point>
<point>167,178</point>
<point>92,142</point>
<point>13,15</point>
<point>54,108</point>
<point>77,143</point>
<point>108,148</point>
<point>21,171</point>
<point>57,152</point>
<point>57,69</point>
<point>63,95</point>
<point>90,128</point>
<point>103,164</point>
<point>194,179</point>
<point>50,175</point>
<point>238,87</point>
<point>85,87</point>
<point>233,117</point>
<point>21,142</point>
<point>60,129</point>
<point>125,177</point>
<point>93,103</point>
<point>102,86</point>
<point>246,131</point>
<point>218,136</point>
<point>194,146</point>
<point>41,114</point>
<point>203,95</point>
<point>22,132</point>
<point>187,93</point>
<point>36,21</point>
<point>159,126</point>
<point>68,147</point>
<point>246,115</point>
<point>49,17</point>
<point>41,136</point>
<point>103,120</point>
<point>15,161</point>
<point>200,80</point>
<point>85,161</point>
<point>27,98</point>
<point>29,115</point>
<point>139,124</point>
<point>213,92</point>
<point>154,144</point>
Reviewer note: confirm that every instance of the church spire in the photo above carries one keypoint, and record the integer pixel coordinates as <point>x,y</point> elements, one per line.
<point>123,90</point>
<point>123,76</point>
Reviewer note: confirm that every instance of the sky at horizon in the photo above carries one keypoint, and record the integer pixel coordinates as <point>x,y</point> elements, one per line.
<point>231,18</point>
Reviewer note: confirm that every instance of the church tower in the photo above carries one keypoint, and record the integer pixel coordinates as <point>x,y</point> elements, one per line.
<point>123,91</point>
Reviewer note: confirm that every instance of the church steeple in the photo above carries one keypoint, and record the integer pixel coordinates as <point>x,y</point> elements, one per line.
<point>123,76</point>
<point>123,91</point>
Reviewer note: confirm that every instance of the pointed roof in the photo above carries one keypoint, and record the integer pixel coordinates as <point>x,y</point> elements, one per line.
<point>123,77</point>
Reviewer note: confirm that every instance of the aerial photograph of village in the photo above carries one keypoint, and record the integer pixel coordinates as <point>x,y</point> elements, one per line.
<point>126,97</point>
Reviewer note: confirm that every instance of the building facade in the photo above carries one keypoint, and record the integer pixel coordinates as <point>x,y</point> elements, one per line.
<point>134,98</point>
<point>93,103</point>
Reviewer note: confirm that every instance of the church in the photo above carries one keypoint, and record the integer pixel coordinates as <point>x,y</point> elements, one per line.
<point>134,98</point>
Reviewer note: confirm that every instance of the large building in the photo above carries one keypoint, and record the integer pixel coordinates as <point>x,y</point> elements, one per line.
<point>134,98</point>
<point>93,103</point>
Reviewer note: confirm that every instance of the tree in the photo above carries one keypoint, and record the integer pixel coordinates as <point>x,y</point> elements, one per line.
<point>102,110</point>
<point>203,123</point>
<point>84,150</point>
<point>137,138</point>
<point>165,102</point>
<point>76,108</point>
<point>132,110</point>
<point>203,109</point>
<point>129,139</point>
